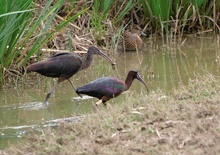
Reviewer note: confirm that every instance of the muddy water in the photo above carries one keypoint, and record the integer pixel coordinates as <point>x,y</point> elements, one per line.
<point>22,109</point>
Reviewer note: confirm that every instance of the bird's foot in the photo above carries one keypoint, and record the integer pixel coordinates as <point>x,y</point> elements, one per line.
<point>46,100</point>
<point>80,95</point>
<point>46,104</point>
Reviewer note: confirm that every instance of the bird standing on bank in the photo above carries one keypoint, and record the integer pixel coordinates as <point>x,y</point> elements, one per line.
<point>64,65</point>
<point>106,88</point>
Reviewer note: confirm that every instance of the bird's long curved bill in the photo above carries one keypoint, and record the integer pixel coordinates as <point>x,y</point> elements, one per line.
<point>107,58</point>
<point>142,81</point>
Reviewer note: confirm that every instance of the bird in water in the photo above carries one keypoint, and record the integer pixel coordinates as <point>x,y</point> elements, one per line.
<point>64,65</point>
<point>106,88</point>
<point>132,41</point>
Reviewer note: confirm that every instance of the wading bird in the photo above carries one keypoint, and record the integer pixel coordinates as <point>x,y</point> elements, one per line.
<point>64,65</point>
<point>106,88</point>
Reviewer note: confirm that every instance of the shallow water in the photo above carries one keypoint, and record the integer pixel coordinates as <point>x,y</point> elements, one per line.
<point>22,109</point>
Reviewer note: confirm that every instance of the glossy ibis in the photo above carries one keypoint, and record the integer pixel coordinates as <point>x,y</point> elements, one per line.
<point>132,41</point>
<point>64,65</point>
<point>106,88</point>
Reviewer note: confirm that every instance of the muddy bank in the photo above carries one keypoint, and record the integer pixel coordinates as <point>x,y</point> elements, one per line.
<point>185,122</point>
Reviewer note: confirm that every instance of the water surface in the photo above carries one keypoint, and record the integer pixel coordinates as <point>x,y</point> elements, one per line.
<point>162,67</point>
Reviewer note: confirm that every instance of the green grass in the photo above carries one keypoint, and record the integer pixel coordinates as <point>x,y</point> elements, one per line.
<point>21,36</point>
<point>14,18</point>
<point>102,11</point>
<point>125,10</point>
<point>183,14</point>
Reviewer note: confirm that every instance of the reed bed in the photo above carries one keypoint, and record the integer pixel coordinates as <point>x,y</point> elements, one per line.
<point>30,26</point>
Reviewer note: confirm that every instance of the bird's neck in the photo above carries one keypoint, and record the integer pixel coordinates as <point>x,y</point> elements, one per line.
<point>128,82</point>
<point>87,61</point>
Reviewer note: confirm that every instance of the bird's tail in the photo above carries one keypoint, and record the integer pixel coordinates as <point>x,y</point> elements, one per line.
<point>34,67</point>
<point>82,90</point>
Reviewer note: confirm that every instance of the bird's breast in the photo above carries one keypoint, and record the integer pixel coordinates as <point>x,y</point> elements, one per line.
<point>114,87</point>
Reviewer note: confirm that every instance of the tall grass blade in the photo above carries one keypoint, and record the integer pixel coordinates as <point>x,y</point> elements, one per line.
<point>47,36</point>
<point>126,9</point>
<point>14,18</point>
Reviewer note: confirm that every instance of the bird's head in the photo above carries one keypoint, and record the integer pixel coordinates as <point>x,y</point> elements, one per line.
<point>94,50</point>
<point>135,75</point>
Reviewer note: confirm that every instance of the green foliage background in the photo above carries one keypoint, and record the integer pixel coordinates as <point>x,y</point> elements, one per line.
<point>22,33</point>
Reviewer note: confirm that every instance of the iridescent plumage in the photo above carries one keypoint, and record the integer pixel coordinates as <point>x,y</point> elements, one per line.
<point>106,88</point>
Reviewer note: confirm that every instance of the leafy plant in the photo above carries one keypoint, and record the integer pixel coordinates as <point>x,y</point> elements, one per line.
<point>125,9</point>
<point>185,12</point>
<point>100,13</point>
<point>22,34</point>
<point>14,18</point>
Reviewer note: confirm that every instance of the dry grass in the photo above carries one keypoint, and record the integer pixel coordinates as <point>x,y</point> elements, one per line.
<point>186,122</point>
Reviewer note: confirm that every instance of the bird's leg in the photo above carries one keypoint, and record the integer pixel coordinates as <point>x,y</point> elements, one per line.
<point>96,105</point>
<point>48,94</point>
<point>99,102</point>
<point>74,87</point>
<point>51,91</point>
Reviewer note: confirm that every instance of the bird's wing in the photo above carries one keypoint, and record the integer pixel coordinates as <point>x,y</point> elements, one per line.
<point>61,64</point>
<point>61,53</point>
<point>106,86</point>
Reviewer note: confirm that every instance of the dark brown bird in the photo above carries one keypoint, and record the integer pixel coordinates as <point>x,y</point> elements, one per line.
<point>106,88</point>
<point>64,65</point>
